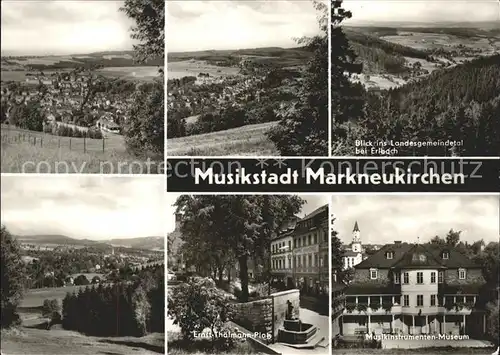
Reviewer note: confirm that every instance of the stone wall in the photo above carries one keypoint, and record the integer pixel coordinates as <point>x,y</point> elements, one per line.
<point>280,306</point>
<point>254,316</point>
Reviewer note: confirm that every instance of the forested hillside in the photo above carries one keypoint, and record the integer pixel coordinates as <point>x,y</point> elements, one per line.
<point>460,104</point>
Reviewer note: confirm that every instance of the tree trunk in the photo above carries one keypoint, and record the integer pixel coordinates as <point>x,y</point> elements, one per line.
<point>242,260</point>
<point>229,274</point>
<point>221,273</point>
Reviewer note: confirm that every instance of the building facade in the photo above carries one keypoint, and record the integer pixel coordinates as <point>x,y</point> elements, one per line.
<point>299,254</point>
<point>414,289</point>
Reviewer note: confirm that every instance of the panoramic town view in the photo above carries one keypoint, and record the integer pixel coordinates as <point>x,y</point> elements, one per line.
<point>422,279</point>
<point>234,89</point>
<point>78,87</point>
<point>251,268</point>
<point>82,265</point>
<point>424,79</point>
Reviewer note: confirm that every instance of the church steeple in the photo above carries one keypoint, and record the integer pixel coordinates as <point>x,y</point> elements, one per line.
<point>356,239</point>
<point>356,228</point>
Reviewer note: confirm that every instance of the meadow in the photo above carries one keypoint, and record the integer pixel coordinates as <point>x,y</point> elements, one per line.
<point>242,141</point>
<point>33,337</point>
<point>37,152</point>
<point>146,73</point>
<point>177,70</point>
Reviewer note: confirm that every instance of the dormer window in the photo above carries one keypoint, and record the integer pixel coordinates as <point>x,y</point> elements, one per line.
<point>397,277</point>
<point>446,255</point>
<point>462,274</point>
<point>389,255</point>
<point>373,274</point>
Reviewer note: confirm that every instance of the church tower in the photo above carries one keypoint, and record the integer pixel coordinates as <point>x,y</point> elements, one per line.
<point>356,239</point>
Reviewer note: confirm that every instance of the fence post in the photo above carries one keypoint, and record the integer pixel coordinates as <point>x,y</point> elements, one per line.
<point>59,143</point>
<point>103,144</point>
<point>41,141</point>
<point>84,144</point>
<point>69,143</point>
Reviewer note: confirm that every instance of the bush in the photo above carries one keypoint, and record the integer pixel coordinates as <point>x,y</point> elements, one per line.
<point>197,305</point>
<point>81,280</point>
<point>51,309</point>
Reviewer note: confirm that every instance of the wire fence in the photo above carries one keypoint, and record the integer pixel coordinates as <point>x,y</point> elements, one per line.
<point>12,136</point>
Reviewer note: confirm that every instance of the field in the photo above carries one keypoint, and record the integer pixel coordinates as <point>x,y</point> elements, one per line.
<point>29,152</point>
<point>33,337</point>
<point>440,40</point>
<point>131,73</point>
<point>177,70</point>
<point>385,81</point>
<point>242,141</point>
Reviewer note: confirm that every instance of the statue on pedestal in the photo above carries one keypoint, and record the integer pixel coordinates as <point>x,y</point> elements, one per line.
<point>289,312</point>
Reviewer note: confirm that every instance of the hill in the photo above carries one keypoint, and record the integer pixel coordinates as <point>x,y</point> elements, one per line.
<point>145,243</point>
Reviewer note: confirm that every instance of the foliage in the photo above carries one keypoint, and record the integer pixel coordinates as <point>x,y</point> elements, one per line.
<point>387,305</point>
<point>303,128</point>
<point>492,321</point>
<point>350,307</point>
<point>232,228</point>
<point>361,307</point>
<point>12,278</point>
<point>52,309</point>
<point>149,29</point>
<point>81,280</point>
<point>197,305</point>
<point>122,309</point>
<point>375,305</point>
<point>144,130</point>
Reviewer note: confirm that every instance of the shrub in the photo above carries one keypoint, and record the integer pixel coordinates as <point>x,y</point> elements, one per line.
<point>51,309</point>
<point>198,304</point>
<point>81,280</point>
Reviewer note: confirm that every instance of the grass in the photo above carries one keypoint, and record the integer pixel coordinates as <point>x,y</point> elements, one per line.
<point>25,151</point>
<point>177,70</point>
<point>430,351</point>
<point>33,337</point>
<point>243,141</point>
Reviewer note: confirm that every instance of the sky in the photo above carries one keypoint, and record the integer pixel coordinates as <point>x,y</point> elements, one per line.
<point>46,27</point>
<point>218,25</point>
<point>312,202</point>
<point>92,207</point>
<point>385,218</point>
<point>422,10</point>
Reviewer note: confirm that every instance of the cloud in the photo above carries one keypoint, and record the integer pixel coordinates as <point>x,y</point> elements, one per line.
<point>422,11</point>
<point>385,218</point>
<point>64,27</point>
<point>206,25</point>
<point>84,207</point>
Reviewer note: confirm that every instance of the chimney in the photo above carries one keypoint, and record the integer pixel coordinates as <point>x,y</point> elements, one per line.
<point>397,242</point>
<point>178,220</point>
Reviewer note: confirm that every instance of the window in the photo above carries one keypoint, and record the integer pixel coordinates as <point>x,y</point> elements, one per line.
<point>309,239</point>
<point>295,243</point>
<point>289,245</point>
<point>389,255</point>
<point>420,300</point>
<point>440,277</point>
<point>316,260</point>
<point>406,278</point>
<point>433,277</point>
<point>420,277</point>
<point>446,255</point>
<point>406,301</point>
<point>310,260</point>
<point>315,238</point>
<point>433,300</point>
<point>397,278</point>
<point>462,274</point>
<point>373,274</point>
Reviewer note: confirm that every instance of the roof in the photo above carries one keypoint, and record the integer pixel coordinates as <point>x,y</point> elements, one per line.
<point>351,253</point>
<point>356,228</point>
<point>372,288</point>
<point>417,256</point>
<point>472,288</point>
<point>321,212</point>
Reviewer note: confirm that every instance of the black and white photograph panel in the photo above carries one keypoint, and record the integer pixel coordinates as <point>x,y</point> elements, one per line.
<point>248,274</point>
<point>247,78</point>
<point>82,86</point>
<point>415,274</point>
<point>415,78</point>
<point>83,265</point>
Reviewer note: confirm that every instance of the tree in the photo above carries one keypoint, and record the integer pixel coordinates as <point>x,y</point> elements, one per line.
<point>81,280</point>
<point>303,128</point>
<point>242,224</point>
<point>96,279</point>
<point>453,237</point>
<point>492,320</point>
<point>149,29</point>
<point>197,305</point>
<point>144,130</point>
<point>12,278</point>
